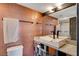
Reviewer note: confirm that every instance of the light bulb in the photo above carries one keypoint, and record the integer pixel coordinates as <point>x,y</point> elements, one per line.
<point>59,5</point>
<point>50,9</point>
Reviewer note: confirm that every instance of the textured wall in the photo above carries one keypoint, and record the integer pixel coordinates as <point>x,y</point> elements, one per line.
<point>27,30</point>
<point>2,46</point>
<point>48,24</point>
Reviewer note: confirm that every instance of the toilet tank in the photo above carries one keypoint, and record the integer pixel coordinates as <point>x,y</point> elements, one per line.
<point>15,51</point>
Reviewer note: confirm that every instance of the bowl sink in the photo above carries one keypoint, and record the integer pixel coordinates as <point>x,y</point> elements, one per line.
<point>57,42</point>
<point>46,38</point>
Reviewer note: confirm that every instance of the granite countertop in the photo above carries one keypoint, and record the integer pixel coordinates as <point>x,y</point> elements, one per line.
<point>67,48</point>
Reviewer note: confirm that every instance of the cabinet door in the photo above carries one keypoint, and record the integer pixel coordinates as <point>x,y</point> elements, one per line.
<point>52,51</point>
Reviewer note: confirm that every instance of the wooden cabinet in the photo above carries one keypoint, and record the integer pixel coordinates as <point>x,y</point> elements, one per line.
<point>52,51</point>
<point>43,50</point>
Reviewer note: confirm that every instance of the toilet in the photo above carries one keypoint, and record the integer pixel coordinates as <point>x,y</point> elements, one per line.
<point>15,51</point>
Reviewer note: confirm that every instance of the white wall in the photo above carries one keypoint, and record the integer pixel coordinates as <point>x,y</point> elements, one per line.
<point>64,27</point>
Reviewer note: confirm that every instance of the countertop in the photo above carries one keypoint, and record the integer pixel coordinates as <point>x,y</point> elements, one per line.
<point>67,48</point>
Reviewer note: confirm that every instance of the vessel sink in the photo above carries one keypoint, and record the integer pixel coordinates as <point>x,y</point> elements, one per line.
<point>57,42</point>
<point>46,38</point>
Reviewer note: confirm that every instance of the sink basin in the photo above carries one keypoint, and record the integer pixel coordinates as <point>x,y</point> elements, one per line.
<point>46,38</point>
<point>57,42</point>
<point>60,37</point>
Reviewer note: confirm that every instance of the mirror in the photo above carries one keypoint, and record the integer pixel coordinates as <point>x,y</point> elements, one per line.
<point>67,23</point>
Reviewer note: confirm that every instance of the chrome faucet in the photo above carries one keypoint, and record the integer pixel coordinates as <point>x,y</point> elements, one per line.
<point>58,34</point>
<point>54,32</point>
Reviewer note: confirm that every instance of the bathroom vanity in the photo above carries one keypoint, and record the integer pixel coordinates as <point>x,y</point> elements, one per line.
<point>59,46</point>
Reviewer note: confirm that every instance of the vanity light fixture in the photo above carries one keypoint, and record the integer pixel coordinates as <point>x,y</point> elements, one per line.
<point>50,9</point>
<point>59,5</point>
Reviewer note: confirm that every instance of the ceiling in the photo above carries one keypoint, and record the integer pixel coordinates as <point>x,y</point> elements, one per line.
<point>43,7</point>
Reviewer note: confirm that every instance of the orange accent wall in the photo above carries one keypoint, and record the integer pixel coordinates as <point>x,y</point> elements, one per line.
<point>27,30</point>
<point>48,24</point>
<point>2,46</point>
